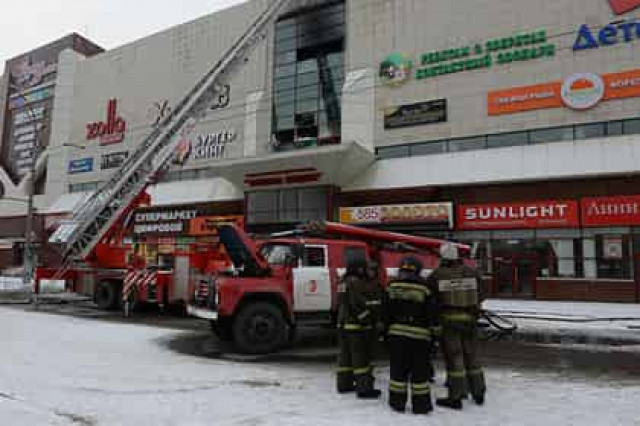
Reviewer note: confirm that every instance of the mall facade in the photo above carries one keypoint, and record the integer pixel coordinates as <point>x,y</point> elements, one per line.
<point>513,126</point>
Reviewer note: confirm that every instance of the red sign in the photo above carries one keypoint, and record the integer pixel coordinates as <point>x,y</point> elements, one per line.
<point>110,132</point>
<point>624,6</point>
<point>535,214</point>
<point>607,211</point>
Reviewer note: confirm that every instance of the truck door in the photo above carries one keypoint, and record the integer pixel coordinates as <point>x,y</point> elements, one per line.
<point>311,280</point>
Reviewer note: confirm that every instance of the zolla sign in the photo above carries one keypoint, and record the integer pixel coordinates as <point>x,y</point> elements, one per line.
<point>396,68</point>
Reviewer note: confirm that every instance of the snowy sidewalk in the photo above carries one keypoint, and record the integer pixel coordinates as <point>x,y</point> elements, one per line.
<point>571,322</point>
<point>61,371</point>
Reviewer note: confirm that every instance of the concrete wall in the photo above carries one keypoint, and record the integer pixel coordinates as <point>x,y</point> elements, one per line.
<point>163,67</point>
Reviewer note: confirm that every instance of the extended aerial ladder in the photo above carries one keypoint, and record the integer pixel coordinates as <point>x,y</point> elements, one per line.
<point>93,220</point>
<point>376,236</point>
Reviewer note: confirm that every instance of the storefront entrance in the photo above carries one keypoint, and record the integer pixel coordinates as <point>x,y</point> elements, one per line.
<point>515,275</point>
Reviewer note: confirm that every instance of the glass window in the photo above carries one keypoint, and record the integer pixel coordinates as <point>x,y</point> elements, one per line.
<point>310,105</point>
<point>288,206</point>
<point>287,84</point>
<point>285,70</point>
<point>615,128</point>
<point>309,92</point>
<point>262,207</point>
<point>314,256</point>
<point>632,127</point>
<point>284,32</point>
<point>428,148</point>
<point>285,96</point>
<point>507,139</point>
<point>286,57</point>
<point>310,65</point>
<point>588,131</point>
<point>284,110</point>
<point>336,60</point>
<point>468,144</point>
<point>308,79</point>
<point>552,135</point>
<point>285,123</point>
<point>306,119</point>
<point>313,203</point>
<point>393,152</point>
<point>285,45</point>
<point>613,256</point>
<point>277,254</point>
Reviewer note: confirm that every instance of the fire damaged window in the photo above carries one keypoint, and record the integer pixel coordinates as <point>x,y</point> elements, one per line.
<point>308,78</point>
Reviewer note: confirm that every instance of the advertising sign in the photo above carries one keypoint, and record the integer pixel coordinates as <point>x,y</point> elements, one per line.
<point>623,6</point>
<point>612,248</point>
<point>109,132</point>
<point>208,225</point>
<point>397,68</point>
<point>611,211</point>
<point>527,215</point>
<point>25,74</point>
<point>19,101</point>
<point>579,92</point>
<point>113,160</point>
<point>83,165</point>
<point>433,213</point>
<point>163,221</point>
<point>429,112</point>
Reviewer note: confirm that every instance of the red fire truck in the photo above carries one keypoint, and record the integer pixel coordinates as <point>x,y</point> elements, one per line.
<point>276,284</point>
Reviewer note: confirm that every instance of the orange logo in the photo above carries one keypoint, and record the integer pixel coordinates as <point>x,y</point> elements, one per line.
<point>579,91</point>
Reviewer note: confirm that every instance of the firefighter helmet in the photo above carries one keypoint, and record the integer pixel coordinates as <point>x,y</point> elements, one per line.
<point>449,251</point>
<point>410,266</point>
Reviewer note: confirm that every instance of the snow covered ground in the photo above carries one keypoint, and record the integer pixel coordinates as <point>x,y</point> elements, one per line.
<point>595,322</point>
<point>56,370</point>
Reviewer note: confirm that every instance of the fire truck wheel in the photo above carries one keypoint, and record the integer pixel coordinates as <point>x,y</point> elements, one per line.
<point>107,294</point>
<point>222,329</point>
<point>260,328</point>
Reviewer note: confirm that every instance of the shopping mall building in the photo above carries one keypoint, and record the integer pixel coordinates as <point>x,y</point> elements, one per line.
<point>511,125</point>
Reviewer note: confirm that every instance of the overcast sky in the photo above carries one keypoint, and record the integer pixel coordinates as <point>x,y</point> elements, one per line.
<point>27,24</point>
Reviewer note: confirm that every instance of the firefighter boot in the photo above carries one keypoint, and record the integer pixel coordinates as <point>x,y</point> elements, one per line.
<point>422,405</point>
<point>397,402</point>
<point>479,399</point>
<point>370,394</point>
<point>454,404</point>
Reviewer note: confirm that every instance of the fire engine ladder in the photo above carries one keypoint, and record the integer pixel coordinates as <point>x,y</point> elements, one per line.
<point>97,215</point>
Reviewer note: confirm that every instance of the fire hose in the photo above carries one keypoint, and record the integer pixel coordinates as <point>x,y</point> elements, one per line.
<point>495,326</point>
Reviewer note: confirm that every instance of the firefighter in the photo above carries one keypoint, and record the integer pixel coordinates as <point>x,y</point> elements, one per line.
<point>459,305</point>
<point>410,315</point>
<point>358,297</point>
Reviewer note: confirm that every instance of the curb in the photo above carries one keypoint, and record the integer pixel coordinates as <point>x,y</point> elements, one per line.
<point>572,337</point>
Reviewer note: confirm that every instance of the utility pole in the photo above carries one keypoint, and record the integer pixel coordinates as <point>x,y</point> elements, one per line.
<point>30,255</point>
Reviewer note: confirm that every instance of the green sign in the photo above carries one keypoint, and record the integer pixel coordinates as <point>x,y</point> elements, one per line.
<point>517,48</point>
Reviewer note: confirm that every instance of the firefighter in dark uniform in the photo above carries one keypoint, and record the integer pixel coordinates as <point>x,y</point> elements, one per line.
<point>359,299</point>
<point>459,299</point>
<point>410,309</point>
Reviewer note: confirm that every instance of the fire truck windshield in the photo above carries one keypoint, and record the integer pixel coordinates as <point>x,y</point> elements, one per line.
<point>277,254</point>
